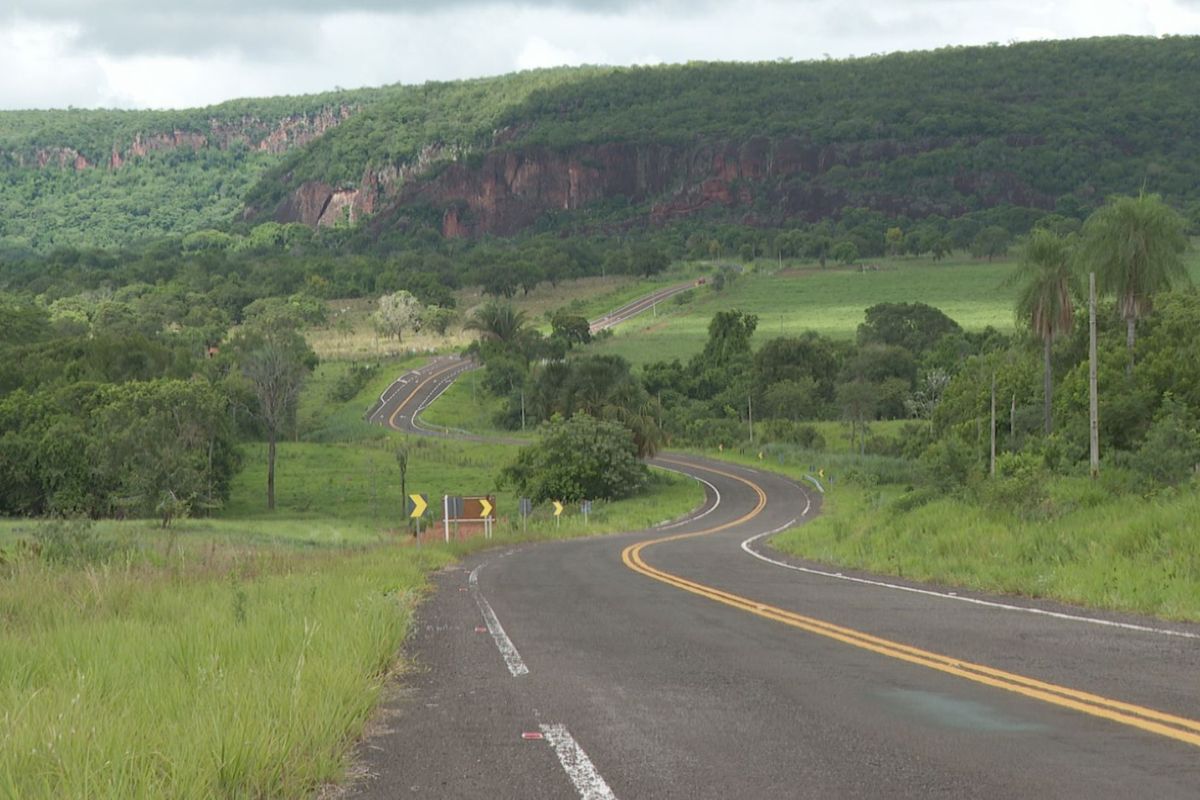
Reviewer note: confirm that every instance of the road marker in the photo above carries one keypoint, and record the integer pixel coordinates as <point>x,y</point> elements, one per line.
<point>417,503</point>
<point>532,736</point>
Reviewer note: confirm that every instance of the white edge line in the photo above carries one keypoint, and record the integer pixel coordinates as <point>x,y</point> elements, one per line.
<point>703,514</point>
<point>509,651</point>
<point>579,768</point>
<point>947,596</point>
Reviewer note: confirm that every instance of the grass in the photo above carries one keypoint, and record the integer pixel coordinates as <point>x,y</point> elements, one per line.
<point>466,407</point>
<point>247,675</point>
<point>1093,552</point>
<point>240,655</point>
<point>350,336</point>
<point>830,301</point>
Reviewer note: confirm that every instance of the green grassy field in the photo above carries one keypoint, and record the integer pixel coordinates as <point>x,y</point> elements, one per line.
<point>241,655</point>
<point>830,301</point>
<point>1100,549</point>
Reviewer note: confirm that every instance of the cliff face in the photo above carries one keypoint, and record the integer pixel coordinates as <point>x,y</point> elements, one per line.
<point>274,136</point>
<point>760,179</point>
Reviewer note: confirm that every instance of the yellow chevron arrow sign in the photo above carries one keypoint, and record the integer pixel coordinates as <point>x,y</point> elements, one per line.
<point>419,504</point>
<point>558,507</point>
<point>485,508</point>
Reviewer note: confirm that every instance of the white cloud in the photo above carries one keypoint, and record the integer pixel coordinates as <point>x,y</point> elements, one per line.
<point>67,52</point>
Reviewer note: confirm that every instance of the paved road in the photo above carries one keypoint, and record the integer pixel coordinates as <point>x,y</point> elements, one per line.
<point>680,663</point>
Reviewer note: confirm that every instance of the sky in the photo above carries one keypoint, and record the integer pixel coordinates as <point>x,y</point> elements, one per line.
<point>186,53</point>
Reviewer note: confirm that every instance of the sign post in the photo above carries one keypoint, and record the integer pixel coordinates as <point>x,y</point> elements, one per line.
<point>486,505</point>
<point>586,508</point>
<point>558,508</point>
<point>526,506</point>
<point>417,503</point>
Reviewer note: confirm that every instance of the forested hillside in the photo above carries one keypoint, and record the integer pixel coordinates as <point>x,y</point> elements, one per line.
<point>1048,126</point>
<point>109,178</point>
<point>1003,134</point>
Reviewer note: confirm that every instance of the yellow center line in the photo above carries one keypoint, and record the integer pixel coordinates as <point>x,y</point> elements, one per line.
<point>1174,727</point>
<point>413,393</point>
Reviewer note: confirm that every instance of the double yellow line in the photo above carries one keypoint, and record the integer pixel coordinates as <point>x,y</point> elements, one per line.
<point>417,388</point>
<point>1147,719</point>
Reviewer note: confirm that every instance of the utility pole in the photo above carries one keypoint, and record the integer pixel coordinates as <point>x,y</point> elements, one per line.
<point>1012,422</point>
<point>1093,394</point>
<point>522,411</point>
<point>750,414</point>
<point>992,463</point>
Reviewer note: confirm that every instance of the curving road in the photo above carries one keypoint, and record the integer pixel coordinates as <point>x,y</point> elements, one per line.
<point>691,661</point>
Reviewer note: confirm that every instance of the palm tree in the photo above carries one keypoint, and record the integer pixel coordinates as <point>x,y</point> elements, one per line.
<point>1135,245</point>
<point>1046,299</point>
<point>498,322</point>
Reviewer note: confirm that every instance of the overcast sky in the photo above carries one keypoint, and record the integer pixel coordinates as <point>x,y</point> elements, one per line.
<point>180,53</point>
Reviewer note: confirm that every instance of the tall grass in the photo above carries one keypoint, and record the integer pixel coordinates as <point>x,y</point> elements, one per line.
<point>1093,548</point>
<point>242,678</point>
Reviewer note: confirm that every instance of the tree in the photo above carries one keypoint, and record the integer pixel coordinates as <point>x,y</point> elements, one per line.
<point>1045,300</point>
<point>498,322</point>
<point>990,242</point>
<point>729,335</point>
<point>844,252</point>
<point>577,459</point>
<point>1135,245</point>
<point>397,312</point>
<point>571,328</point>
<point>437,319</point>
<point>916,327</point>
<point>276,362</point>
<point>648,259</point>
<point>858,401</point>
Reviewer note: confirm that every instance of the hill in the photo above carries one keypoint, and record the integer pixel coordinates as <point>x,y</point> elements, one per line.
<point>1027,129</point>
<point>108,178</point>
<point>1002,134</point>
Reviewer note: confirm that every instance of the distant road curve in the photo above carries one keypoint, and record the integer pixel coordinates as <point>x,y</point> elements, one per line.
<point>679,663</point>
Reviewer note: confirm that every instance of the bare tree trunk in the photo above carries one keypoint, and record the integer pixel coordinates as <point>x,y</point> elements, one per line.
<point>1130,334</point>
<point>271,469</point>
<point>1048,385</point>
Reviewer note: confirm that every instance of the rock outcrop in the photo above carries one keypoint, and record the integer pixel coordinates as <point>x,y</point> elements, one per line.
<point>275,136</point>
<point>759,180</point>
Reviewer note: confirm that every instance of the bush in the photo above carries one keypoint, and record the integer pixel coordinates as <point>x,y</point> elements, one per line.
<point>949,464</point>
<point>1170,452</point>
<point>1018,486</point>
<point>352,382</point>
<point>71,542</point>
<point>578,459</point>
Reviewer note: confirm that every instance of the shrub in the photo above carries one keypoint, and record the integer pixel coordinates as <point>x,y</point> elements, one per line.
<point>71,542</point>
<point>352,382</point>
<point>1018,486</point>
<point>578,459</point>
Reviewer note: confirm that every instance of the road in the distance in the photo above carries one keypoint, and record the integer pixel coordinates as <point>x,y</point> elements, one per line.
<point>690,668</point>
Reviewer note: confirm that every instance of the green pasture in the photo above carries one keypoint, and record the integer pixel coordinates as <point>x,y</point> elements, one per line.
<point>830,301</point>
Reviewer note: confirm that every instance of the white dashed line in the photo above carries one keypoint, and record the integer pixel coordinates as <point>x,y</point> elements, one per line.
<point>576,764</point>
<point>511,657</point>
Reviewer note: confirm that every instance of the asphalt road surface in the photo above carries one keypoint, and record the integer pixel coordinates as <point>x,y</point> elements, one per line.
<point>692,661</point>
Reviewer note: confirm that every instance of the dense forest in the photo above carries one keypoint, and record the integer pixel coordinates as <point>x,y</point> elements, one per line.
<point>108,178</point>
<point>1006,134</point>
<point>1053,126</point>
